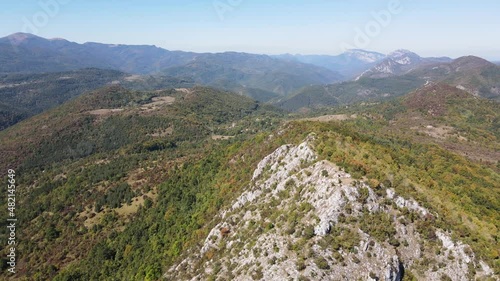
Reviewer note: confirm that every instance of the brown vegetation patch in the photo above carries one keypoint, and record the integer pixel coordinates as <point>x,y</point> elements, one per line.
<point>225,231</point>
<point>432,98</point>
<point>439,132</point>
<point>157,102</point>
<point>91,218</point>
<point>126,209</point>
<point>103,112</point>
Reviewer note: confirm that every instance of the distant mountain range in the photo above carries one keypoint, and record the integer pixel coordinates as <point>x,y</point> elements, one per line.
<point>258,76</point>
<point>397,75</point>
<point>400,62</point>
<point>349,64</point>
<point>22,52</point>
<point>40,73</point>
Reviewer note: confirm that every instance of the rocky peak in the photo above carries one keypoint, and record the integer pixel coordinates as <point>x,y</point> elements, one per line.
<point>396,63</point>
<point>365,56</point>
<point>20,37</point>
<point>302,218</point>
<point>404,57</point>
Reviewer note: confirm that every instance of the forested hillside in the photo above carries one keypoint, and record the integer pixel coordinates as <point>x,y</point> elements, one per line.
<point>25,95</point>
<point>232,140</point>
<point>103,155</point>
<point>124,185</point>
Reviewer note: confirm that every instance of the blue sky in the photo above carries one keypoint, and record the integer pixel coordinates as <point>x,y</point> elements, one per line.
<point>427,27</point>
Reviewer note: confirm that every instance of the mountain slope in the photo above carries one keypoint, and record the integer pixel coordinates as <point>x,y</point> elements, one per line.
<point>473,74</point>
<point>87,168</point>
<point>125,185</point>
<point>284,218</point>
<point>362,90</point>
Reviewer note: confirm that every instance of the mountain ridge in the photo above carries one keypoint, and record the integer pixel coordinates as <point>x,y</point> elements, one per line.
<point>399,62</point>
<point>349,63</point>
<point>475,75</point>
<point>241,72</point>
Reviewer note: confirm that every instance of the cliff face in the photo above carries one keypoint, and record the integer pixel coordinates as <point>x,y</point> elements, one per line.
<point>304,219</point>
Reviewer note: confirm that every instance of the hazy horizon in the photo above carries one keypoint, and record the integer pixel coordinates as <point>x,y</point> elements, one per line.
<point>295,27</point>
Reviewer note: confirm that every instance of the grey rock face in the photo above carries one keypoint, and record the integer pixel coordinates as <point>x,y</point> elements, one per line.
<point>301,217</point>
<point>395,270</point>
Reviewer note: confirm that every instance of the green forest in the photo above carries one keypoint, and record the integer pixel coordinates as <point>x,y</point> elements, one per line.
<point>122,196</point>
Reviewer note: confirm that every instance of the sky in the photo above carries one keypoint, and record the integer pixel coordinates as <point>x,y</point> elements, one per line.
<point>428,27</point>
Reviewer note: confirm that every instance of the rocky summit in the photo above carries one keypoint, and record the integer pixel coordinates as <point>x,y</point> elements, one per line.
<point>304,219</point>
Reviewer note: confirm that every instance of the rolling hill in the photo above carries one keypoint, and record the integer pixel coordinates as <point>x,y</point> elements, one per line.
<point>25,95</point>
<point>472,74</point>
<point>107,119</point>
<point>345,93</point>
<point>438,113</point>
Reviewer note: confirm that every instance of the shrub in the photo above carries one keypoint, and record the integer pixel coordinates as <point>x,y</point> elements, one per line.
<point>300,265</point>
<point>322,263</point>
<point>309,232</point>
<point>363,195</point>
